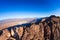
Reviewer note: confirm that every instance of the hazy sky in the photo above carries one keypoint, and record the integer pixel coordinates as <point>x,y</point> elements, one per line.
<point>28,8</point>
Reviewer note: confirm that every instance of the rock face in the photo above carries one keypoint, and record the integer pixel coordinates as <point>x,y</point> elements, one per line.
<point>47,29</point>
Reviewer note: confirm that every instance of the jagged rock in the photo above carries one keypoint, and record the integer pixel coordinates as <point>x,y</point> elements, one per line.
<point>25,35</point>
<point>43,20</point>
<point>41,31</point>
<point>12,32</point>
<point>55,19</point>
<point>34,30</point>
<point>47,29</point>
<point>1,32</point>
<point>5,35</point>
<point>11,38</point>
<point>19,31</point>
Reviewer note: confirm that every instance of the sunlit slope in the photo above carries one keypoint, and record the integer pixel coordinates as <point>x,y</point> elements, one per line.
<point>11,22</point>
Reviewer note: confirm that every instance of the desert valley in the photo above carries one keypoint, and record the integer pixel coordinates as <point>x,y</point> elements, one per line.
<point>47,28</point>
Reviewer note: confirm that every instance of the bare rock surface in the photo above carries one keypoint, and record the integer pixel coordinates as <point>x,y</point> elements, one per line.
<point>47,29</point>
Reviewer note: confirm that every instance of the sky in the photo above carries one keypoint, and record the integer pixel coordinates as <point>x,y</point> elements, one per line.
<point>28,8</point>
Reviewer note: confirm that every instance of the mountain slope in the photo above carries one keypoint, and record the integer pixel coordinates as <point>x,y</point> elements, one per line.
<point>47,28</point>
<point>12,22</point>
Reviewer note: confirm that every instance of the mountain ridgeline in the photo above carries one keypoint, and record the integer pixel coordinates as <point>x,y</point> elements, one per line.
<point>47,28</point>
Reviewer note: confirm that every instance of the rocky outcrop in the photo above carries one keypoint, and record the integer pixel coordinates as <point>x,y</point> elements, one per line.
<point>47,29</point>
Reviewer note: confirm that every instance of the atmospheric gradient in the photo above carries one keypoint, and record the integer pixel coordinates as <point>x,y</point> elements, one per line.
<point>28,8</point>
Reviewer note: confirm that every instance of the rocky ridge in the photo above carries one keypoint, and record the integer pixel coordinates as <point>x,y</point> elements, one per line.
<point>46,29</point>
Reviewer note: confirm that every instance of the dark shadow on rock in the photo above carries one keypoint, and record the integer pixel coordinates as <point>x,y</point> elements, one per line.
<point>1,32</point>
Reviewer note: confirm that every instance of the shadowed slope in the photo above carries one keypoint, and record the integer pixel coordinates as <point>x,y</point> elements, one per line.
<point>47,28</point>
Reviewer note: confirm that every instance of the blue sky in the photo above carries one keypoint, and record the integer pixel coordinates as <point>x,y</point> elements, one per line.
<point>28,8</point>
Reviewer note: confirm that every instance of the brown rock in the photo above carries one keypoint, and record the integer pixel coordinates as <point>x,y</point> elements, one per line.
<point>20,31</point>
<point>48,29</point>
